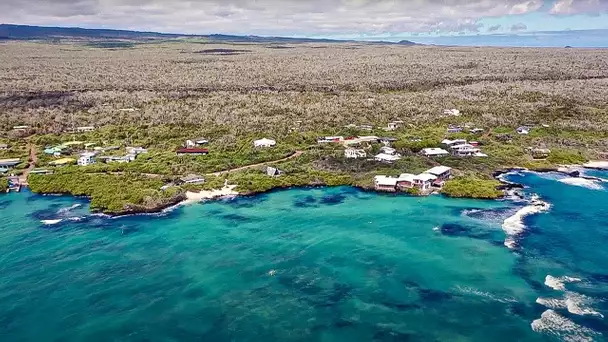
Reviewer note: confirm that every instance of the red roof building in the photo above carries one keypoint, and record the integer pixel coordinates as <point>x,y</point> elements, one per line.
<point>192,151</point>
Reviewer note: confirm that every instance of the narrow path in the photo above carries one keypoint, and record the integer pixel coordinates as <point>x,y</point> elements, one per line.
<point>295,155</point>
<point>33,160</point>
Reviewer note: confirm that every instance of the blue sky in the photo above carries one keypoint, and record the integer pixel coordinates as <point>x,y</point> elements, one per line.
<point>420,20</point>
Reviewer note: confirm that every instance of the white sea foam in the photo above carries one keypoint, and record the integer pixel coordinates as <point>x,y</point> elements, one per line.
<point>575,303</point>
<point>514,225</point>
<point>552,323</point>
<point>76,219</point>
<point>50,222</point>
<point>479,293</point>
<point>559,283</point>
<point>583,182</point>
<point>70,208</point>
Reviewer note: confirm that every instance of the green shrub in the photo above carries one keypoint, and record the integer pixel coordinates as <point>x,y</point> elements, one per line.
<point>472,187</point>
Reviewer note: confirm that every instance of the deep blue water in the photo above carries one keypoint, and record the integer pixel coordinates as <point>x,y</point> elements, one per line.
<point>331,264</point>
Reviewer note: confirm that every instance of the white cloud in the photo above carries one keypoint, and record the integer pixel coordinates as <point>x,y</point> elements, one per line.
<point>267,16</point>
<point>567,7</point>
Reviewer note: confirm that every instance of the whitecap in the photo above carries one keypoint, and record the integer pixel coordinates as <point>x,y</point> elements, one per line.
<point>559,283</point>
<point>579,304</point>
<point>514,225</point>
<point>583,182</point>
<point>554,324</point>
<point>50,222</point>
<point>70,208</point>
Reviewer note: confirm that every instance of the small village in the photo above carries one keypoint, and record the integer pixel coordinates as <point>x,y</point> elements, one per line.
<point>369,149</point>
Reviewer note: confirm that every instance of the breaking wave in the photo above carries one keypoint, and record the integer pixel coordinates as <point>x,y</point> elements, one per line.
<point>559,283</point>
<point>50,222</point>
<point>68,209</point>
<point>576,304</point>
<point>583,182</point>
<point>554,324</point>
<point>514,225</point>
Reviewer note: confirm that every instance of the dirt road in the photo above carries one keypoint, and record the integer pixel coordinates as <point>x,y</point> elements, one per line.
<point>295,155</point>
<point>33,160</point>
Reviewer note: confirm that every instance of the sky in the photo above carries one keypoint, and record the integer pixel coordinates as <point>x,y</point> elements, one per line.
<point>418,20</point>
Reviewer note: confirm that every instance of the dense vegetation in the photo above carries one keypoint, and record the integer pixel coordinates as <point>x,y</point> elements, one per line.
<point>109,193</point>
<point>472,187</point>
<point>3,185</point>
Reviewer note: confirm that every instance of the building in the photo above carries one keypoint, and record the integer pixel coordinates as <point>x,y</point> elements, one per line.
<point>424,181</point>
<point>387,158</point>
<point>336,139</point>
<point>352,153</point>
<point>476,130</point>
<point>264,143</point>
<point>464,150</point>
<point>41,172</point>
<point>368,128</point>
<point>406,181</point>
<point>136,150</point>
<point>384,183</point>
<point>451,112</point>
<point>273,171</point>
<point>450,143</point>
<point>454,129</point>
<point>434,152</point>
<point>192,179</point>
<point>3,147</point>
<point>9,163</point>
<point>442,173</point>
<point>539,153</point>
<point>192,151</point>
<point>388,150</point>
<point>196,142</point>
<point>85,129</point>
<point>86,159</point>
<point>523,130</point>
<point>20,128</point>
<point>386,141</point>
<point>394,125</point>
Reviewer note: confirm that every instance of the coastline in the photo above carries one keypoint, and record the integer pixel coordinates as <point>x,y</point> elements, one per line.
<point>190,197</point>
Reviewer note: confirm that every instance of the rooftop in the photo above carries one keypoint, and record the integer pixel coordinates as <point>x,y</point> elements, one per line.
<point>439,170</point>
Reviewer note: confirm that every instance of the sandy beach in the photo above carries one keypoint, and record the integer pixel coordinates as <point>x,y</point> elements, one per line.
<point>193,197</point>
<point>602,165</point>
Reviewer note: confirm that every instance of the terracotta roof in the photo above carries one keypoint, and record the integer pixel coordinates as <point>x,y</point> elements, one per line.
<point>192,150</point>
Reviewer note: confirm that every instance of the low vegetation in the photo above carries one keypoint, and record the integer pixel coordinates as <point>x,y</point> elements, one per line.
<point>115,194</point>
<point>472,187</point>
<point>3,185</point>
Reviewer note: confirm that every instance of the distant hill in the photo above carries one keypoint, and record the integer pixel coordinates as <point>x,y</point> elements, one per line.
<point>25,32</point>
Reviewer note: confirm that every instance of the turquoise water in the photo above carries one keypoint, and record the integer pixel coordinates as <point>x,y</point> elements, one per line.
<point>330,264</point>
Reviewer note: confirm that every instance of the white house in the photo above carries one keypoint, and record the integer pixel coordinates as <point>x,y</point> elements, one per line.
<point>193,179</point>
<point>464,150</point>
<point>450,143</point>
<point>442,173</point>
<point>3,147</point>
<point>85,129</point>
<point>335,139</point>
<point>454,129</point>
<point>387,158</point>
<point>451,112</point>
<point>352,153</point>
<point>435,152</point>
<point>394,125</point>
<point>196,142</point>
<point>86,159</point>
<point>523,130</point>
<point>264,143</point>
<point>388,150</point>
<point>424,181</point>
<point>136,150</point>
<point>385,183</point>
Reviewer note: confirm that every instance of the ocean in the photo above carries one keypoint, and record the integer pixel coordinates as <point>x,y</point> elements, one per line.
<point>327,264</point>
